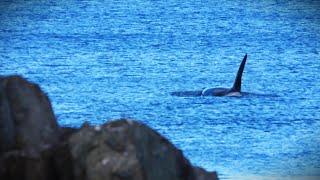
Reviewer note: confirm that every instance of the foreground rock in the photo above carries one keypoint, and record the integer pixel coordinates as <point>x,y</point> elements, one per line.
<point>28,129</point>
<point>126,149</point>
<point>33,146</point>
<point>27,120</point>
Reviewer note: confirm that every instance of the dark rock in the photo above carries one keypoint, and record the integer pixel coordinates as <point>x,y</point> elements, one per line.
<point>27,119</point>
<point>62,164</point>
<point>18,165</point>
<point>126,149</point>
<point>104,153</point>
<point>158,157</point>
<point>7,130</point>
<point>28,130</point>
<point>201,174</point>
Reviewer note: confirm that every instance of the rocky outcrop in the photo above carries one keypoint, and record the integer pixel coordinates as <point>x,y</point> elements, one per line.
<point>34,147</point>
<point>27,120</point>
<point>28,129</point>
<point>125,149</point>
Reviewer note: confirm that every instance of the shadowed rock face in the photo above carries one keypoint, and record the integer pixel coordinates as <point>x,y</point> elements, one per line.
<point>34,147</point>
<point>26,116</point>
<point>104,152</point>
<point>126,149</point>
<point>28,130</point>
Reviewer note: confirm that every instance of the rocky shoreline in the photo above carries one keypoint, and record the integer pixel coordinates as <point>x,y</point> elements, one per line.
<point>34,147</point>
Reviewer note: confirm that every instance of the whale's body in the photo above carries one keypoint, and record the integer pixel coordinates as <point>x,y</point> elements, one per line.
<point>235,90</point>
<point>219,92</point>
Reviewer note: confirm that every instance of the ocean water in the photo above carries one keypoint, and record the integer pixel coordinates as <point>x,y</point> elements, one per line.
<point>103,60</point>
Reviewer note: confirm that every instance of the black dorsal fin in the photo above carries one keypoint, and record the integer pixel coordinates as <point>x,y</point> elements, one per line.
<point>237,82</point>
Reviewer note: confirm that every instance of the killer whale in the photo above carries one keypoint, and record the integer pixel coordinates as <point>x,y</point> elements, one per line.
<point>235,90</point>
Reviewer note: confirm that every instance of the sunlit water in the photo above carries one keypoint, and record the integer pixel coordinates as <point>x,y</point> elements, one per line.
<point>100,61</point>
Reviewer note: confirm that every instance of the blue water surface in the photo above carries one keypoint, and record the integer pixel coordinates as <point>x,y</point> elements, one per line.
<point>103,60</point>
